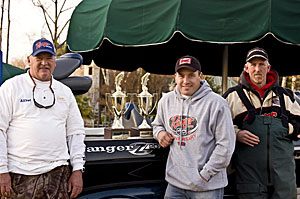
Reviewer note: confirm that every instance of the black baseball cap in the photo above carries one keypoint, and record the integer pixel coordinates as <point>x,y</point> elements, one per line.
<point>257,53</point>
<point>188,62</point>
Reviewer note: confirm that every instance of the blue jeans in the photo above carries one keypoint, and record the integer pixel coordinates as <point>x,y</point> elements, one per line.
<point>177,193</point>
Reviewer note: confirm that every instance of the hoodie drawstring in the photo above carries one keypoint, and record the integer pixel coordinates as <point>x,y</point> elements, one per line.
<point>182,105</point>
<point>186,117</point>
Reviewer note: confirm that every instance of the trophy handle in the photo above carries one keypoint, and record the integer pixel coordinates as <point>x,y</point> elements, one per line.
<point>155,98</point>
<point>107,104</point>
<point>142,111</point>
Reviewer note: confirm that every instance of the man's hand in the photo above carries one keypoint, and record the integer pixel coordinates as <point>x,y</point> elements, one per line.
<point>5,184</point>
<point>165,138</point>
<point>248,138</point>
<point>75,183</point>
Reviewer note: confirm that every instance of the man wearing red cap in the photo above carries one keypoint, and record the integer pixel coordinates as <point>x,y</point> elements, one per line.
<point>266,119</point>
<point>195,122</point>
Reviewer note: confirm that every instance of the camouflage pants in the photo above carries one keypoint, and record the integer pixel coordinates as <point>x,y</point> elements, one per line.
<point>50,185</point>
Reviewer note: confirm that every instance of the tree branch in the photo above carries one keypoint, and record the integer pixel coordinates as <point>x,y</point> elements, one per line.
<point>54,28</point>
<point>67,9</point>
<point>62,29</point>
<point>47,23</point>
<point>61,8</point>
<point>47,13</point>
<point>40,5</point>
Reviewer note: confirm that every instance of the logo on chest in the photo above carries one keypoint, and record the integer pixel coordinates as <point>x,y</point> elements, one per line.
<point>184,125</point>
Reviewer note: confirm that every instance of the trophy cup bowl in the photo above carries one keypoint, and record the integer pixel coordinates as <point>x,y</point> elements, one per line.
<point>117,103</point>
<point>146,107</point>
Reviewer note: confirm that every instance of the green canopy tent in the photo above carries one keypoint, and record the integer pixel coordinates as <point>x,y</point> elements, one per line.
<point>128,34</point>
<point>10,71</point>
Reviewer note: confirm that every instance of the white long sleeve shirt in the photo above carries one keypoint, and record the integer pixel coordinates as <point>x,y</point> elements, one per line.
<point>35,140</point>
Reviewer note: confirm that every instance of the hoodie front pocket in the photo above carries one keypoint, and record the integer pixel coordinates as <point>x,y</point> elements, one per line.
<point>185,177</point>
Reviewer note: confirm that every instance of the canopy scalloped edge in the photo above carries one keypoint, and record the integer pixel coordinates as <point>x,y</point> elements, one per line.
<point>195,40</point>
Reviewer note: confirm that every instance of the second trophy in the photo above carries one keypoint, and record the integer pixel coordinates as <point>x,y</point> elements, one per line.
<point>147,103</point>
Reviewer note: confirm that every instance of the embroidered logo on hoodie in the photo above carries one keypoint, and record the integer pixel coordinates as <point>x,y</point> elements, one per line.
<point>183,127</point>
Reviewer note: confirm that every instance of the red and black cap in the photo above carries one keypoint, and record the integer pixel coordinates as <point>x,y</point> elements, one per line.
<point>188,62</point>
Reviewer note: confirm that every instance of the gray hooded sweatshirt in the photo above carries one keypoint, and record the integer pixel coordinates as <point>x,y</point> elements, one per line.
<point>204,138</point>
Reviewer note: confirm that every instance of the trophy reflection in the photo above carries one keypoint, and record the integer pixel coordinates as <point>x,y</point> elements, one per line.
<point>117,102</point>
<point>147,103</point>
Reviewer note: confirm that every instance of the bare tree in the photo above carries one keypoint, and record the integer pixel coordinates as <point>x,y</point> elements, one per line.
<point>8,30</point>
<point>52,19</point>
<point>8,26</point>
<point>2,13</point>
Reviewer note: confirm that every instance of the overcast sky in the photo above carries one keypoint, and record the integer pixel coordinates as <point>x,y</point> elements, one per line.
<point>27,25</point>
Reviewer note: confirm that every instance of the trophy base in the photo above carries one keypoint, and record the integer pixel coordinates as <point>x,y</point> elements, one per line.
<point>110,133</point>
<point>143,133</point>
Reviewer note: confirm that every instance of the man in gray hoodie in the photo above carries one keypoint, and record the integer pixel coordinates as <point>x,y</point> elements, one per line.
<point>196,123</point>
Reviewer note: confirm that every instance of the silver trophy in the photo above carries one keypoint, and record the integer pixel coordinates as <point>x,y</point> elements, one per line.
<point>147,103</point>
<point>117,102</point>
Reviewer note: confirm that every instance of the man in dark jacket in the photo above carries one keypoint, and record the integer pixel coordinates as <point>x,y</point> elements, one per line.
<point>266,119</point>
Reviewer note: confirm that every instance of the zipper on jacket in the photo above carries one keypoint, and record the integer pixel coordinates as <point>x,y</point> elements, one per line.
<point>268,155</point>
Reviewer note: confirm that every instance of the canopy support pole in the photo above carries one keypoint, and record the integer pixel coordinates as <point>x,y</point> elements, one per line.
<point>99,105</point>
<point>224,69</point>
